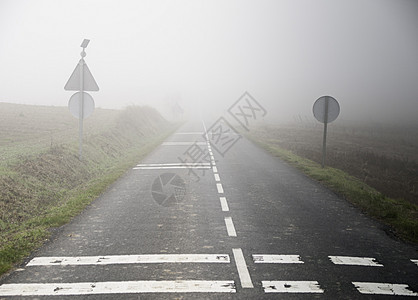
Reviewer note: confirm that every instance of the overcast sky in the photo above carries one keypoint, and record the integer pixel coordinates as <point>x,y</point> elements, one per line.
<point>286,54</point>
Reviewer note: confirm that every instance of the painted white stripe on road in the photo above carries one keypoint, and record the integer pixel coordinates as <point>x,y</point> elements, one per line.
<point>415,261</point>
<point>230,228</point>
<point>243,273</point>
<point>355,261</point>
<point>215,170</point>
<point>195,132</point>
<point>217,177</point>
<point>174,164</point>
<point>200,165</point>
<point>183,143</point>
<point>291,287</point>
<point>117,287</point>
<point>384,289</point>
<point>220,188</point>
<point>171,167</point>
<point>276,259</point>
<point>224,204</point>
<point>130,259</point>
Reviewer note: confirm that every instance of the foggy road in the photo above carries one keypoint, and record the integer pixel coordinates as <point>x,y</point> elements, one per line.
<point>207,216</point>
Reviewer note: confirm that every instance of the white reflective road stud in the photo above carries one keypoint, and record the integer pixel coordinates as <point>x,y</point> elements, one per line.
<point>243,273</point>
<point>129,259</point>
<point>291,287</point>
<point>117,287</point>
<point>384,289</point>
<point>355,261</point>
<point>230,228</point>
<point>276,259</point>
<point>224,204</point>
<point>415,261</point>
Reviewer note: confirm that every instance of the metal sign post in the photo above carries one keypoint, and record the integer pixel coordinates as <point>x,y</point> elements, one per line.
<point>326,109</point>
<point>81,104</point>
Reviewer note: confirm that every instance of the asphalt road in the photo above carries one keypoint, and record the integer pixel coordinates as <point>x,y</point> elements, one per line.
<point>211,216</point>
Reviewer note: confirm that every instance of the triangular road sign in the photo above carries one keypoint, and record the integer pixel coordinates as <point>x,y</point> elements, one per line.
<point>73,84</point>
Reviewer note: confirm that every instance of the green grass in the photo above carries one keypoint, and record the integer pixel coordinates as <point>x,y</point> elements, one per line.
<point>400,215</point>
<point>45,186</point>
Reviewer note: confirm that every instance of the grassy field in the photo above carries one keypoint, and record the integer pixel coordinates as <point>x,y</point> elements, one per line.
<point>373,166</point>
<point>43,184</point>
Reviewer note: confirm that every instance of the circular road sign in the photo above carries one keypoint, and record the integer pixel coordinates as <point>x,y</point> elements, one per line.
<point>74,105</point>
<point>320,108</point>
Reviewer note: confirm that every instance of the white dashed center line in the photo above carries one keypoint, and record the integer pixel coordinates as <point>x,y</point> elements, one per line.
<point>243,273</point>
<point>224,204</point>
<point>220,188</point>
<point>230,227</point>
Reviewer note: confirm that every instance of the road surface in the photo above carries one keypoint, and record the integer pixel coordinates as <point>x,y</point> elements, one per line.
<point>211,216</point>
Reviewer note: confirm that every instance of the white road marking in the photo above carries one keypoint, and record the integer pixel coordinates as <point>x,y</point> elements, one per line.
<point>243,273</point>
<point>182,143</point>
<point>384,289</point>
<point>117,287</point>
<point>415,261</point>
<point>196,132</point>
<point>230,228</point>
<point>171,167</point>
<point>355,261</point>
<point>291,287</point>
<point>220,188</point>
<point>174,164</point>
<point>215,170</point>
<point>217,177</point>
<point>224,204</point>
<point>276,259</point>
<point>130,259</point>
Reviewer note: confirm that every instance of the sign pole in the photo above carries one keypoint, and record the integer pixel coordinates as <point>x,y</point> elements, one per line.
<point>325,109</point>
<point>324,139</point>
<point>81,104</point>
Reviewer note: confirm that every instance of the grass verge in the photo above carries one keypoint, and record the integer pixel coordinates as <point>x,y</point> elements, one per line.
<point>47,189</point>
<point>400,215</point>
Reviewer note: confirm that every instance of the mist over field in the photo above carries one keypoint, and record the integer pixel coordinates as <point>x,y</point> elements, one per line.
<point>202,56</point>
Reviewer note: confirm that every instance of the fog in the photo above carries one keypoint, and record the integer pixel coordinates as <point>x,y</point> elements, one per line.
<point>204,55</point>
